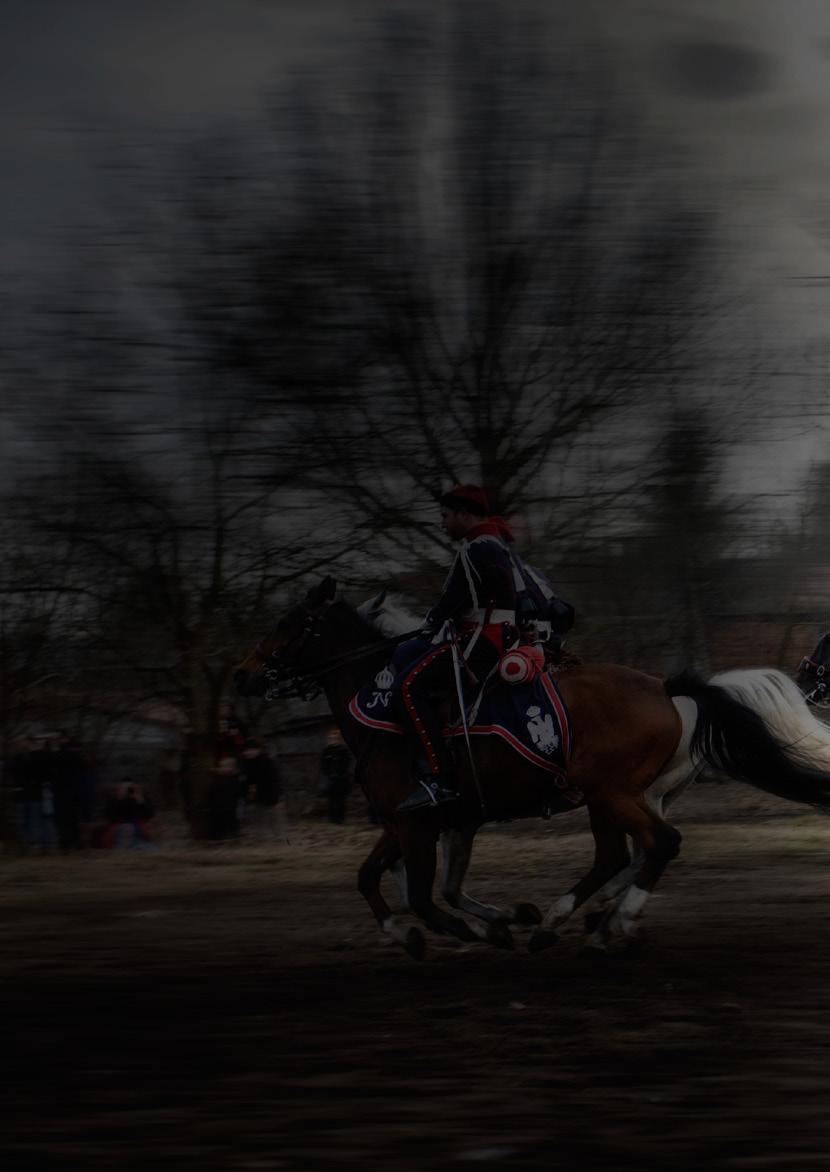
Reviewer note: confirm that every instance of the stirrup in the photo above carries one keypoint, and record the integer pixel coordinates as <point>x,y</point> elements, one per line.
<point>431,793</point>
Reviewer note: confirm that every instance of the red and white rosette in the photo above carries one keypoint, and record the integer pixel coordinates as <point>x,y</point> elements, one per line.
<point>522,665</point>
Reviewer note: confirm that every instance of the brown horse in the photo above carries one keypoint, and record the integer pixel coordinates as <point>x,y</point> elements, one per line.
<point>637,743</point>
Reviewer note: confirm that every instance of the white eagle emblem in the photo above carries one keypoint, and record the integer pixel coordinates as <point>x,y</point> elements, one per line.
<point>542,730</point>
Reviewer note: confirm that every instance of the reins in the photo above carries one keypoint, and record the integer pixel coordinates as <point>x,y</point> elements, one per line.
<point>306,684</point>
<point>361,653</point>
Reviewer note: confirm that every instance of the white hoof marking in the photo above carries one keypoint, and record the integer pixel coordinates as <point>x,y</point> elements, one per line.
<point>561,911</point>
<point>394,928</point>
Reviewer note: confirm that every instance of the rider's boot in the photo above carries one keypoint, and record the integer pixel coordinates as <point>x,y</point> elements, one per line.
<point>433,791</point>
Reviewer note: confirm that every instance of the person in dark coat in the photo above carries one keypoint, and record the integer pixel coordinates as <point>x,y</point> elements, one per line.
<point>224,798</point>
<point>30,775</point>
<point>170,775</point>
<point>335,776</point>
<point>233,735</point>
<point>68,788</point>
<point>264,785</point>
<point>128,817</point>
<point>261,774</point>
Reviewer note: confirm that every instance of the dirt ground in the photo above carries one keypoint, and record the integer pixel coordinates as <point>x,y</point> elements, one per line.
<point>234,1008</point>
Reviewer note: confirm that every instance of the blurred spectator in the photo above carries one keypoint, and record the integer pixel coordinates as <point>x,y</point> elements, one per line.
<point>26,780</point>
<point>170,776</point>
<point>335,776</point>
<point>40,776</point>
<point>233,734</point>
<point>224,797</point>
<point>88,796</point>
<point>186,775</point>
<point>264,786</point>
<point>128,816</point>
<point>67,790</point>
<point>16,779</point>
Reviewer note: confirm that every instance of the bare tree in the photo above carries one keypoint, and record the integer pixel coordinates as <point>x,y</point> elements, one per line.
<point>673,570</point>
<point>179,505</point>
<point>176,570</point>
<point>495,276</point>
<point>471,263</point>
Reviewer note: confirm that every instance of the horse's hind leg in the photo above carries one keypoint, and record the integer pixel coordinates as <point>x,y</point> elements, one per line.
<point>615,888</point>
<point>657,844</point>
<point>611,857</point>
<point>383,856</point>
<point>666,790</point>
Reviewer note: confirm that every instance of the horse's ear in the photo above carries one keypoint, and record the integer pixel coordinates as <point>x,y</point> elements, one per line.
<point>325,592</point>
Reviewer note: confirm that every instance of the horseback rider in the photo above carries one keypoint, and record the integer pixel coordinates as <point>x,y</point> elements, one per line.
<point>466,633</point>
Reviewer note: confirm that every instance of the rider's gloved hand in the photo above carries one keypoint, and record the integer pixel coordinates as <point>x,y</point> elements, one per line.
<point>432,625</point>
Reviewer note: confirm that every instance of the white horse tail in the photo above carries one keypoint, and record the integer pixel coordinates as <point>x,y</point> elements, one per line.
<point>755,726</point>
<point>782,707</point>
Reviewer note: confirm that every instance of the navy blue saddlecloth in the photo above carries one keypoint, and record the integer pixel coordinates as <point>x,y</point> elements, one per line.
<point>531,718</point>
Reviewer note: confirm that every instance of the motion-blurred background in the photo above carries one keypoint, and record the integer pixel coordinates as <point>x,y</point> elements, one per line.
<point>275,275</point>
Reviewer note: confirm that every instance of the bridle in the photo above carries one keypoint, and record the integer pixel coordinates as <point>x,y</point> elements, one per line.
<point>818,695</point>
<point>289,680</point>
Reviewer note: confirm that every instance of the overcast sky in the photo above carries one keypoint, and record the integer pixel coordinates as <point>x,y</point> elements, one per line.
<point>745,84</point>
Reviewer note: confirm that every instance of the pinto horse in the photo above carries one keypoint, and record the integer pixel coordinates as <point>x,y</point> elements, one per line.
<point>637,743</point>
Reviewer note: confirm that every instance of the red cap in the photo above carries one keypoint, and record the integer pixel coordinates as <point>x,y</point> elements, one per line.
<point>467,496</point>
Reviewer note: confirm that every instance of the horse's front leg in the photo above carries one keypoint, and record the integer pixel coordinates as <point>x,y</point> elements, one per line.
<point>418,834</point>
<point>456,851</point>
<point>385,854</point>
<point>611,858</point>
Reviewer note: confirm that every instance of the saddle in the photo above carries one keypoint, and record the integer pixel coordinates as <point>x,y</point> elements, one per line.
<point>531,718</point>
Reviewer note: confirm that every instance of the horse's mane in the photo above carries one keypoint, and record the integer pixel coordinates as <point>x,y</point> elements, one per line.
<point>388,616</point>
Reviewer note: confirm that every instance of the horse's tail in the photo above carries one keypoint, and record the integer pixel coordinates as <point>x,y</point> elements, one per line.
<point>755,726</point>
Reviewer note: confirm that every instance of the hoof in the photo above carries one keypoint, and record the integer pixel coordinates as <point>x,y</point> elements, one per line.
<point>462,931</point>
<point>630,943</point>
<point>541,940</point>
<point>613,944</point>
<point>526,913</point>
<point>415,944</point>
<point>594,945</point>
<point>499,935</point>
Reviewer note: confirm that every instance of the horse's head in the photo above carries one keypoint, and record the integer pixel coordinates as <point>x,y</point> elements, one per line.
<point>813,675</point>
<point>280,663</point>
